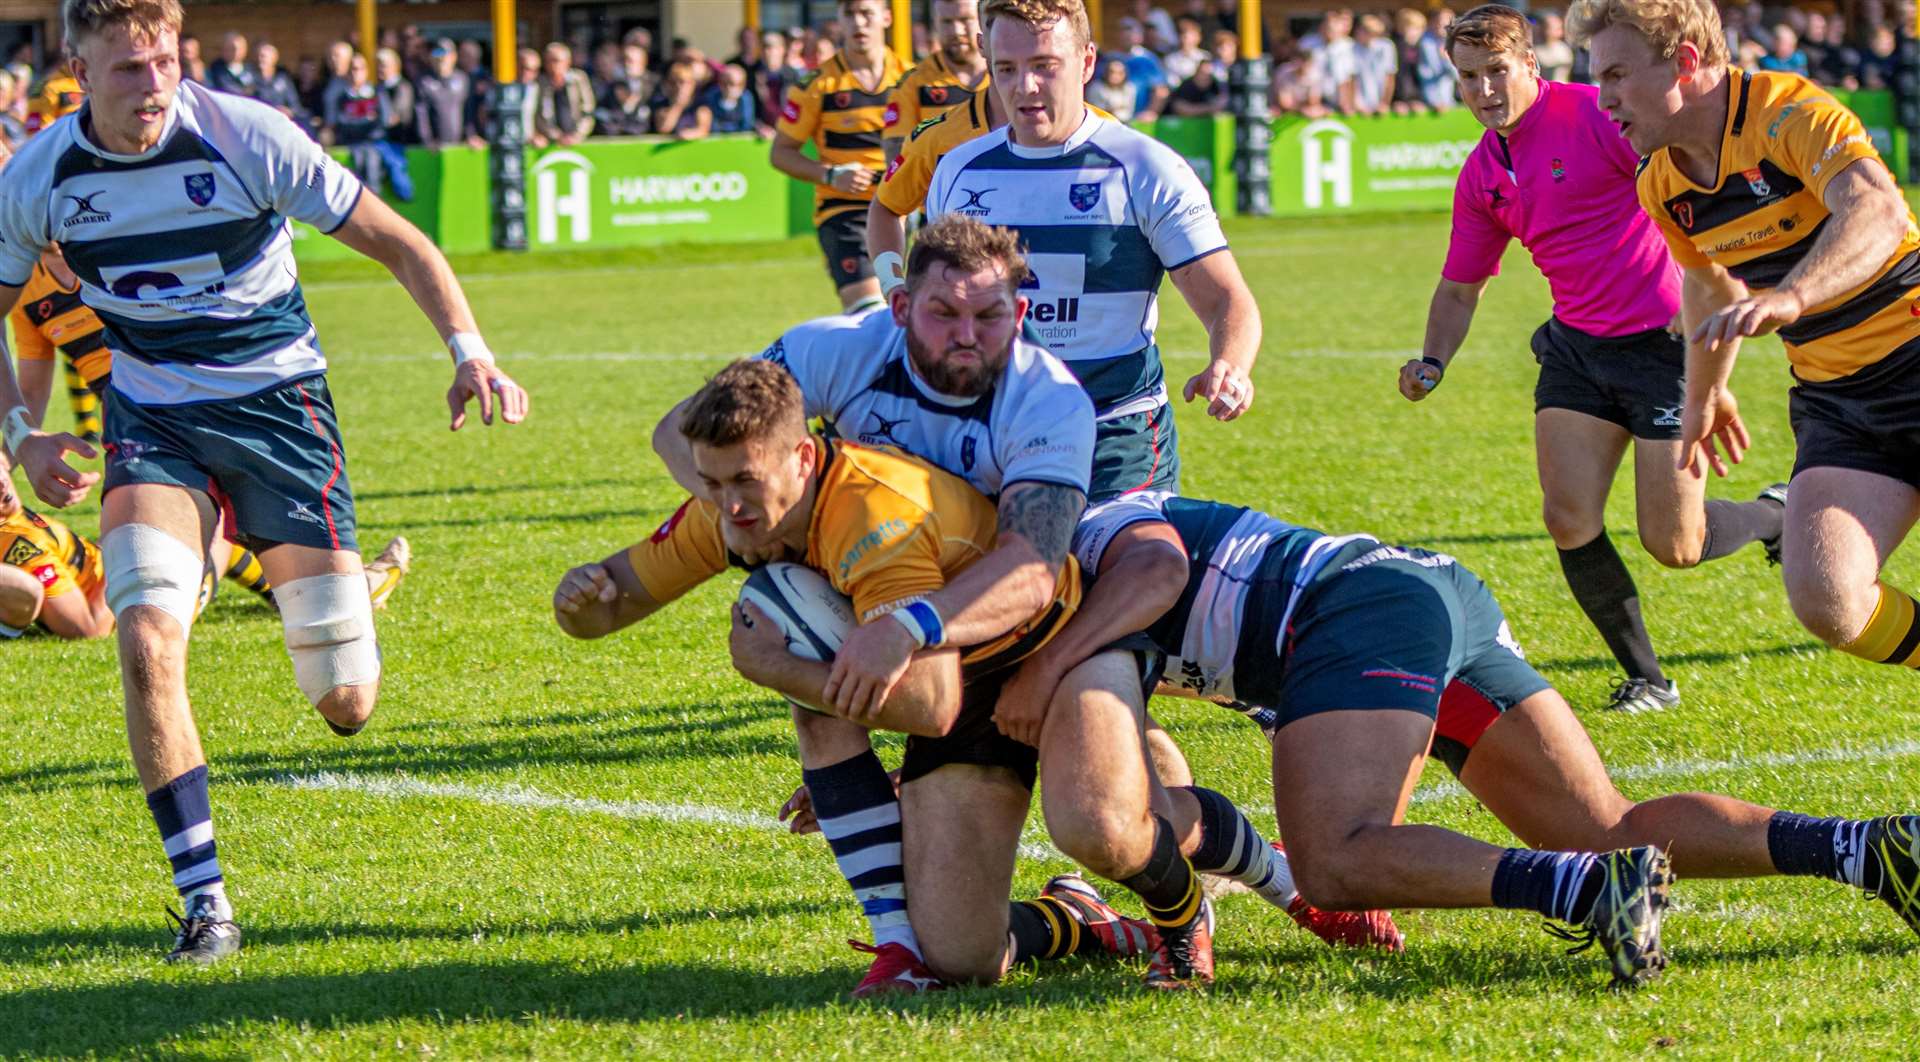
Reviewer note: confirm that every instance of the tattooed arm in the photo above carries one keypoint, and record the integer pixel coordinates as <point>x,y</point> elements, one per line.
<point>1014,582</point>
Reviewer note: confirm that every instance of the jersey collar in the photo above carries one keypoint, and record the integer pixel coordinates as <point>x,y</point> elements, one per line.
<point>1080,136</point>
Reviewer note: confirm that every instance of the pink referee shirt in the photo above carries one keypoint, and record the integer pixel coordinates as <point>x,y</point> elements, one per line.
<point>1563,183</point>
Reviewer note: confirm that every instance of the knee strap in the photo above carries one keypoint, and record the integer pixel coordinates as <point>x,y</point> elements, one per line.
<point>147,566</point>
<point>328,620</point>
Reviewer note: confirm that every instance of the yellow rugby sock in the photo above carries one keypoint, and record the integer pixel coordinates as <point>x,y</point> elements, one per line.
<point>244,568</point>
<point>1892,635</point>
<point>86,405</point>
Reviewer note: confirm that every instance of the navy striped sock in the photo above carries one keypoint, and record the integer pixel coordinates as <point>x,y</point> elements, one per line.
<point>1231,848</point>
<point>185,817</point>
<point>860,817</point>
<point>1559,885</point>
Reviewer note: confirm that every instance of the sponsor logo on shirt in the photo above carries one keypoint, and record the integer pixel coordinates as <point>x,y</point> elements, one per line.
<point>20,553</point>
<point>891,114</point>
<point>1757,182</point>
<point>880,431</point>
<point>873,538</point>
<point>1683,213</point>
<point>1559,171</point>
<point>975,206</point>
<point>790,111</point>
<point>84,212</point>
<point>665,530</point>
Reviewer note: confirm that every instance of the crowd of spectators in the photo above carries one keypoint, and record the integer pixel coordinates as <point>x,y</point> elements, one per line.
<point>1167,58</point>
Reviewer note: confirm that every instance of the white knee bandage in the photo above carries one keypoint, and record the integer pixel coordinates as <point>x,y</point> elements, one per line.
<point>147,566</point>
<point>329,626</point>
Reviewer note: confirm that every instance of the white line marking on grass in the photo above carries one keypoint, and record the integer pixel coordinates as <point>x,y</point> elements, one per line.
<point>1898,750</point>
<point>399,786</point>
<point>757,266</point>
<point>516,356</point>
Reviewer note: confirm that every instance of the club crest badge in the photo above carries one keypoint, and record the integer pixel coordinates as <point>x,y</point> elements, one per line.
<point>199,188</point>
<point>1084,197</point>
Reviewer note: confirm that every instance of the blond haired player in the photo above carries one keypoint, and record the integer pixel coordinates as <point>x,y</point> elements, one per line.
<point>1785,219</point>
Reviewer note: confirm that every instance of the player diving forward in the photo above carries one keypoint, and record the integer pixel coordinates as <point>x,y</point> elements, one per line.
<point>953,385</point>
<point>1775,203</point>
<point>170,201</point>
<point>1553,172</point>
<point>840,110</point>
<point>1375,657</point>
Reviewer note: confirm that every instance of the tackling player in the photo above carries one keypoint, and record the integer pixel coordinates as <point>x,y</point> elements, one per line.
<point>897,535</point>
<point>1774,201</point>
<point>1377,656</point>
<point>840,110</point>
<point>949,78</point>
<point>169,201</point>
<point>1554,173</point>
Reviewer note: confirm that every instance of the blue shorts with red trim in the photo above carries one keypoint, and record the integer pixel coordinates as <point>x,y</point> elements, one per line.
<point>273,461</point>
<point>1139,451</point>
<point>1407,629</point>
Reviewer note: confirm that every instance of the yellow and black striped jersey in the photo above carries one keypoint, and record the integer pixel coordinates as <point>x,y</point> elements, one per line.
<point>929,90</point>
<point>843,121</point>
<point>50,318</point>
<point>1785,140</point>
<point>50,552</point>
<point>887,528</point>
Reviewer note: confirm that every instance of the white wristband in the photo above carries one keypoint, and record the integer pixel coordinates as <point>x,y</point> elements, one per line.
<point>468,346</point>
<point>834,172</point>
<point>17,428</point>
<point>891,269</point>
<point>912,625</point>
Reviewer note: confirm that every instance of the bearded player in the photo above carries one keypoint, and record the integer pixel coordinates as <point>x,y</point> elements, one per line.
<point>1552,172</point>
<point>951,77</point>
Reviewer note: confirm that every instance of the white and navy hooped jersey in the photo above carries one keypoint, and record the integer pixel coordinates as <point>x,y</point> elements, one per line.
<point>1035,426</point>
<point>1103,216</point>
<point>184,251</point>
<point>1245,574</point>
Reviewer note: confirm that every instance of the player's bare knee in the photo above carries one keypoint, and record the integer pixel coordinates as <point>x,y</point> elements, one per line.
<point>1826,608</point>
<point>977,960</point>
<point>1111,842</point>
<point>1569,526</point>
<point>1673,550</point>
<point>328,622</point>
<point>349,706</point>
<point>20,598</point>
<point>1330,867</point>
<point>152,650</point>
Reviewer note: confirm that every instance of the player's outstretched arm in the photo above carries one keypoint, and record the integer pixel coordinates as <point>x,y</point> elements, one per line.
<point>41,454</point>
<point>1449,316</point>
<point>595,600</point>
<point>1711,415</point>
<point>1219,296</point>
<point>376,231</point>
<point>675,451</point>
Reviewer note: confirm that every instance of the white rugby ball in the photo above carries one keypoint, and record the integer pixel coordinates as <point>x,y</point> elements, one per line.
<point>815,617</point>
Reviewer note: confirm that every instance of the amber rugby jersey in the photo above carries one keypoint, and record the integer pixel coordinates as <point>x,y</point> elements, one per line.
<point>887,528</point>
<point>843,121</point>
<point>51,318</point>
<point>50,552</point>
<point>1785,140</point>
<point>929,90</point>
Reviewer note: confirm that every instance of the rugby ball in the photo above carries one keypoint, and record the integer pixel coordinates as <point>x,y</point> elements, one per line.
<point>814,616</point>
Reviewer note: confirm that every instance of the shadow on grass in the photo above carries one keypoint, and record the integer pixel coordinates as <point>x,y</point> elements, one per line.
<point>714,732</point>
<point>1714,656</point>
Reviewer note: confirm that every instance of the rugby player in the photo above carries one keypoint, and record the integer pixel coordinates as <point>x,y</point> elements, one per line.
<point>1554,173</point>
<point>951,77</point>
<point>896,534</point>
<point>1775,203</point>
<point>952,384</point>
<point>1376,656</point>
<point>169,201</point>
<point>840,110</point>
<point>50,321</point>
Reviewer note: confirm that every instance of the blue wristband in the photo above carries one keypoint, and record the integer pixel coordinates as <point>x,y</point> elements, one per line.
<point>923,622</point>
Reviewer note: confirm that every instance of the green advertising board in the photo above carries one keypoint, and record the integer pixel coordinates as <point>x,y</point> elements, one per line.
<point>1373,164</point>
<point>626,192</point>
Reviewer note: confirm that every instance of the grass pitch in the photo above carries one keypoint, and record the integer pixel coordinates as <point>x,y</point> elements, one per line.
<point>544,847</point>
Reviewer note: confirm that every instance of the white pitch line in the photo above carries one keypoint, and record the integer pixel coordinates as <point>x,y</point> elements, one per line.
<point>399,786</point>
<point>1898,750</point>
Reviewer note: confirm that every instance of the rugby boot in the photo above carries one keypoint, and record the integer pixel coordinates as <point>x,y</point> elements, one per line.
<point>385,571</point>
<point>207,934</point>
<point>895,969</point>
<point>1637,695</point>
<point>1350,929</point>
<point>1184,958</point>
<point>1893,867</point>
<point>1117,934</point>
<point>1777,494</point>
<point>1625,920</point>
